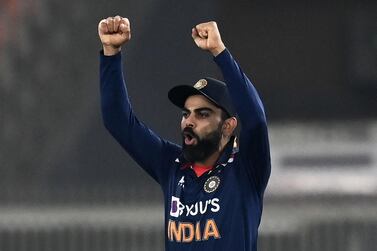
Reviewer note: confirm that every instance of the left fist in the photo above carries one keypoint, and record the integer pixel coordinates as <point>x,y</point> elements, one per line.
<point>207,37</point>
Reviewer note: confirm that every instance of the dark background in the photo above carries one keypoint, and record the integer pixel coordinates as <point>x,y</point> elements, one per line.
<point>311,62</point>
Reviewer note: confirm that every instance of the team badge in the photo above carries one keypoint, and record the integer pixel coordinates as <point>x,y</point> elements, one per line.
<point>200,84</point>
<point>211,184</point>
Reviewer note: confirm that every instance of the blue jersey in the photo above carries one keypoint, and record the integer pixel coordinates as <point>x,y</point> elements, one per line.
<point>220,210</point>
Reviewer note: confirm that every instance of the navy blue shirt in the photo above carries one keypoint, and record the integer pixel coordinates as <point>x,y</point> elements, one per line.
<point>221,209</point>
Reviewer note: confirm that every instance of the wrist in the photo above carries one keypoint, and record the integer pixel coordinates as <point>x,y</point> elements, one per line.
<point>109,50</point>
<point>216,51</point>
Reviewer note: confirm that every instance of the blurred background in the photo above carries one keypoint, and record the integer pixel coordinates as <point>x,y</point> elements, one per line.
<point>65,184</point>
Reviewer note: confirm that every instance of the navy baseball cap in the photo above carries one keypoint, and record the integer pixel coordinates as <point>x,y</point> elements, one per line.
<point>214,90</point>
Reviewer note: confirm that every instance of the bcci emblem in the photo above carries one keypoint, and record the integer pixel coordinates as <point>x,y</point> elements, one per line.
<point>212,184</point>
<point>200,84</point>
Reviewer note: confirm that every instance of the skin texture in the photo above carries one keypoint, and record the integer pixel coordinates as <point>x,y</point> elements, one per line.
<point>114,32</point>
<point>204,118</point>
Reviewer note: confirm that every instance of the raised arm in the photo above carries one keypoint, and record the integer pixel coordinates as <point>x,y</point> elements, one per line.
<point>254,143</point>
<point>144,146</point>
<point>244,95</point>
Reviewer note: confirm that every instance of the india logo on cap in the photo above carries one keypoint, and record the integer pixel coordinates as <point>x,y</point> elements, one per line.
<point>200,84</point>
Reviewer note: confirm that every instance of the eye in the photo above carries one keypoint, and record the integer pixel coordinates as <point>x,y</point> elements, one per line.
<point>185,114</point>
<point>203,114</point>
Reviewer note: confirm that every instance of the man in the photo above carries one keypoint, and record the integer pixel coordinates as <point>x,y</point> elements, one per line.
<point>213,191</point>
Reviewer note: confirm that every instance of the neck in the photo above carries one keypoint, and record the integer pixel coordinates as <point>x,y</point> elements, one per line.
<point>212,159</point>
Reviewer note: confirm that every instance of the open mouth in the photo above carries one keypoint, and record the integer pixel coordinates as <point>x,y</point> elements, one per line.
<point>189,138</point>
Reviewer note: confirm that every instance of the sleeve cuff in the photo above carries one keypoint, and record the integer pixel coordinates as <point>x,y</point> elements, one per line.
<point>118,55</point>
<point>224,54</point>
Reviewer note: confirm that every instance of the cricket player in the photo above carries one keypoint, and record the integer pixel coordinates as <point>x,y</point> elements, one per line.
<point>213,187</point>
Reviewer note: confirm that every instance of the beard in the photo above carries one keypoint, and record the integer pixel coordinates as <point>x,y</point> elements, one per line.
<point>204,147</point>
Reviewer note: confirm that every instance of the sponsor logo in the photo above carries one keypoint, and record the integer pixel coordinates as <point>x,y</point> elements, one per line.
<point>175,203</point>
<point>177,208</point>
<point>188,232</point>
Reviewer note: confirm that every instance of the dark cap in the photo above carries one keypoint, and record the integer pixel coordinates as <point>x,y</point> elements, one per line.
<point>213,89</point>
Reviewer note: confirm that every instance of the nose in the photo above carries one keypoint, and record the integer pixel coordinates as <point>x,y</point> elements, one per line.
<point>189,121</point>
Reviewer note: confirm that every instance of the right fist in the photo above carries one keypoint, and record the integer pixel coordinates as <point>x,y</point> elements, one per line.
<point>114,32</point>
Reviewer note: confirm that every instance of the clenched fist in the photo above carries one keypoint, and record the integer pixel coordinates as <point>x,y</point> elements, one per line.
<point>207,37</point>
<point>114,32</point>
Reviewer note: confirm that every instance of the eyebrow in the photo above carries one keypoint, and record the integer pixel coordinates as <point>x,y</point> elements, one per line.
<point>199,109</point>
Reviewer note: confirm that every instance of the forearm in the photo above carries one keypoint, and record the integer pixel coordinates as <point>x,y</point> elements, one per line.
<point>245,98</point>
<point>114,99</point>
<point>254,136</point>
<point>120,121</point>
<point>117,113</point>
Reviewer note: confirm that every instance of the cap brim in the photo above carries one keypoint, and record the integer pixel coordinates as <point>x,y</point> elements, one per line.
<point>180,93</point>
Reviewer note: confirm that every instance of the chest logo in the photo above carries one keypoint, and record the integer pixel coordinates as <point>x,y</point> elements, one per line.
<point>211,184</point>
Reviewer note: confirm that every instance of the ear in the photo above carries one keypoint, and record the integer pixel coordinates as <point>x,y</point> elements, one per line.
<point>229,125</point>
